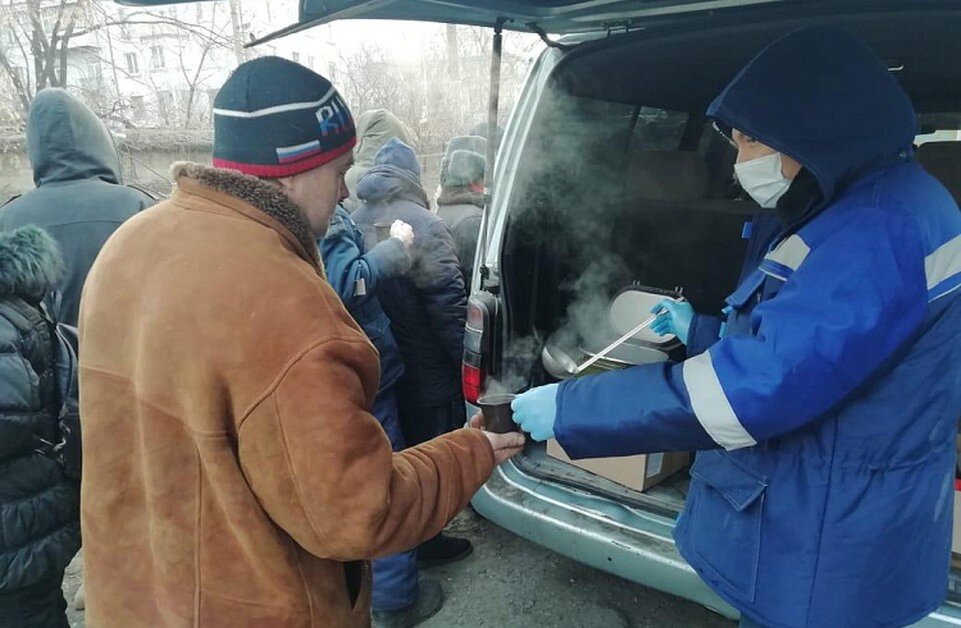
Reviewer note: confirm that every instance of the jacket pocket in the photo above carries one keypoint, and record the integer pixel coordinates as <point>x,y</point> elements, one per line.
<point>740,304</point>
<point>727,502</point>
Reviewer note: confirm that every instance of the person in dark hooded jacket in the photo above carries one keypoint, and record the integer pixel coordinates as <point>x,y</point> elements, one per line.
<point>399,597</point>
<point>39,505</point>
<point>461,199</point>
<point>375,127</point>
<point>79,198</point>
<point>427,308</point>
<point>824,401</point>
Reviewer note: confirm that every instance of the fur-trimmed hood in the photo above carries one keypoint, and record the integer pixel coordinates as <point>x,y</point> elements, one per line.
<point>257,193</point>
<point>460,196</point>
<point>30,263</point>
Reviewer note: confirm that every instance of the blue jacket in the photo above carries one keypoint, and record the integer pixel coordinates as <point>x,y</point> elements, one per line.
<point>427,307</point>
<point>356,277</point>
<point>827,411</point>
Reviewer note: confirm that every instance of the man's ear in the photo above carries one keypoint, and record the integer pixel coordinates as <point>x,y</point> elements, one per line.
<point>286,184</point>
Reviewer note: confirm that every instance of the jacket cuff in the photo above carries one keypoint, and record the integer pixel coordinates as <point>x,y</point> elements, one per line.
<point>704,332</point>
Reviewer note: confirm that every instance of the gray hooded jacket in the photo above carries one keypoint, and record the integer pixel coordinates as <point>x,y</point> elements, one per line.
<point>78,199</point>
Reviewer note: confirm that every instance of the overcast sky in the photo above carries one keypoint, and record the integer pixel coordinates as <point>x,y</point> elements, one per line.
<point>404,39</point>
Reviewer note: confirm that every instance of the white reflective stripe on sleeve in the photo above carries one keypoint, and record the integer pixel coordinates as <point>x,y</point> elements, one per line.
<point>944,262</point>
<point>294,106</point>
<point>711,406</point>
<point>790,253</point>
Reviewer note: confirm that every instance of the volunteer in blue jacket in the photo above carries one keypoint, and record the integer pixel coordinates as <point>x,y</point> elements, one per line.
<point>826,408</point>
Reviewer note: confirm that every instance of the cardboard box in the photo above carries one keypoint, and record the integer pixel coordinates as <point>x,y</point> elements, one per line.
<point>956,532</point>
<point>637,472</point>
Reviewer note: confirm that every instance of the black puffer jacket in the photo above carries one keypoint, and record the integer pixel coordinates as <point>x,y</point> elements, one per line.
<point>39,506</point>
<point>427,307</point>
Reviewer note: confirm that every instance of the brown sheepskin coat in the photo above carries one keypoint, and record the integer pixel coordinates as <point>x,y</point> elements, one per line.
<point>233,475</point>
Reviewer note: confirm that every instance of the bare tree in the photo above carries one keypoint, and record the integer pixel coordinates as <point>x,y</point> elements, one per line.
<point>440,95</point>
<point>36,38</point>
<point>196,77</point>
<point>41,32</point>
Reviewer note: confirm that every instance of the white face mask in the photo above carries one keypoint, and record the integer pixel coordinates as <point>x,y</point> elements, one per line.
<point>761,178</point>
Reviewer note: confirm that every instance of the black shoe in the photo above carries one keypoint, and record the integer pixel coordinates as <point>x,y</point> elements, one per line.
<point>443,549</point>
<point>430,599</point>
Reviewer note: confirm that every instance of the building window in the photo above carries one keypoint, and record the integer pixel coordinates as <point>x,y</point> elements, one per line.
<point>296,57</point>
<point>138,107</point>
<point>133,66</point>
<point>310,63</point>
<point>157,61</point>
<point>93,72</point>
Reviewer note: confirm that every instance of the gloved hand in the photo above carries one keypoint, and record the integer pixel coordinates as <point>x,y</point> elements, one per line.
<point>676,319</point>
<point>535,411</point>
<point>403,232</point>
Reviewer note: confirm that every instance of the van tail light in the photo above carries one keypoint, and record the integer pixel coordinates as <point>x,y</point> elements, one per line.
<point>478,344</point>
<point>472,382</point>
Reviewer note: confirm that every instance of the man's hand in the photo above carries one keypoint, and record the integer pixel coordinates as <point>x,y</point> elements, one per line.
<point>505,446</point>
<point>403,232</point>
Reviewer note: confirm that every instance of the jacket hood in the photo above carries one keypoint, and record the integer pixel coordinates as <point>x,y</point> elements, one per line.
<point>66,141</point>
<point>823,97</point>
<point>395,174</point>
<point>375,128</point>
<point>30,263</point>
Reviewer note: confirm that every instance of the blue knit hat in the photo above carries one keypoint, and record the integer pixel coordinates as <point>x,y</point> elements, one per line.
<point>276,118</point>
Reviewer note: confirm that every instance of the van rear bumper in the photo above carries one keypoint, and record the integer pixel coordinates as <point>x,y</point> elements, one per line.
<point>609,536</point>
<point>594,531</point>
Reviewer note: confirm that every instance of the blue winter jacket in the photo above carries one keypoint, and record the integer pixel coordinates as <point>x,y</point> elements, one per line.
<point>356,278</point>
<point>427,307</point>
<point>827,412</point>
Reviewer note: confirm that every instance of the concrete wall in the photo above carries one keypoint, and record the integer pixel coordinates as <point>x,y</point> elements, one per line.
<point>148,168</point>
<point>151,169</point>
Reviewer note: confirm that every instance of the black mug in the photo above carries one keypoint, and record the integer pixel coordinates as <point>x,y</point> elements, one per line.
<point>498,414</point>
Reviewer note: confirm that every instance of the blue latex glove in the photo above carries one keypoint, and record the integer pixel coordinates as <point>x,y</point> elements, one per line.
<point>676,319</point>
<point>535,411</point>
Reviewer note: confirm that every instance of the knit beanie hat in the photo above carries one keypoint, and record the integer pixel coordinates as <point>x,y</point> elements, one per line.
<point>465,167</point>
<point>276,118</point>
<point>468,165</point>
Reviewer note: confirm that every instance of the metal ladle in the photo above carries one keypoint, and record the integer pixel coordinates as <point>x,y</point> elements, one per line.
<point>562,366</point>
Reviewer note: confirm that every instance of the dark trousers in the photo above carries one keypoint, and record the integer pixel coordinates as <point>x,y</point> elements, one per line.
<point>37,606</point>
<point>423,422</point>
<point>395,577</point>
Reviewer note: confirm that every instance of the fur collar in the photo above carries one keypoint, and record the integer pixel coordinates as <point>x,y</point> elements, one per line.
<point>30,264</point>
<point>460,196</point>
<point>256,192</point>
